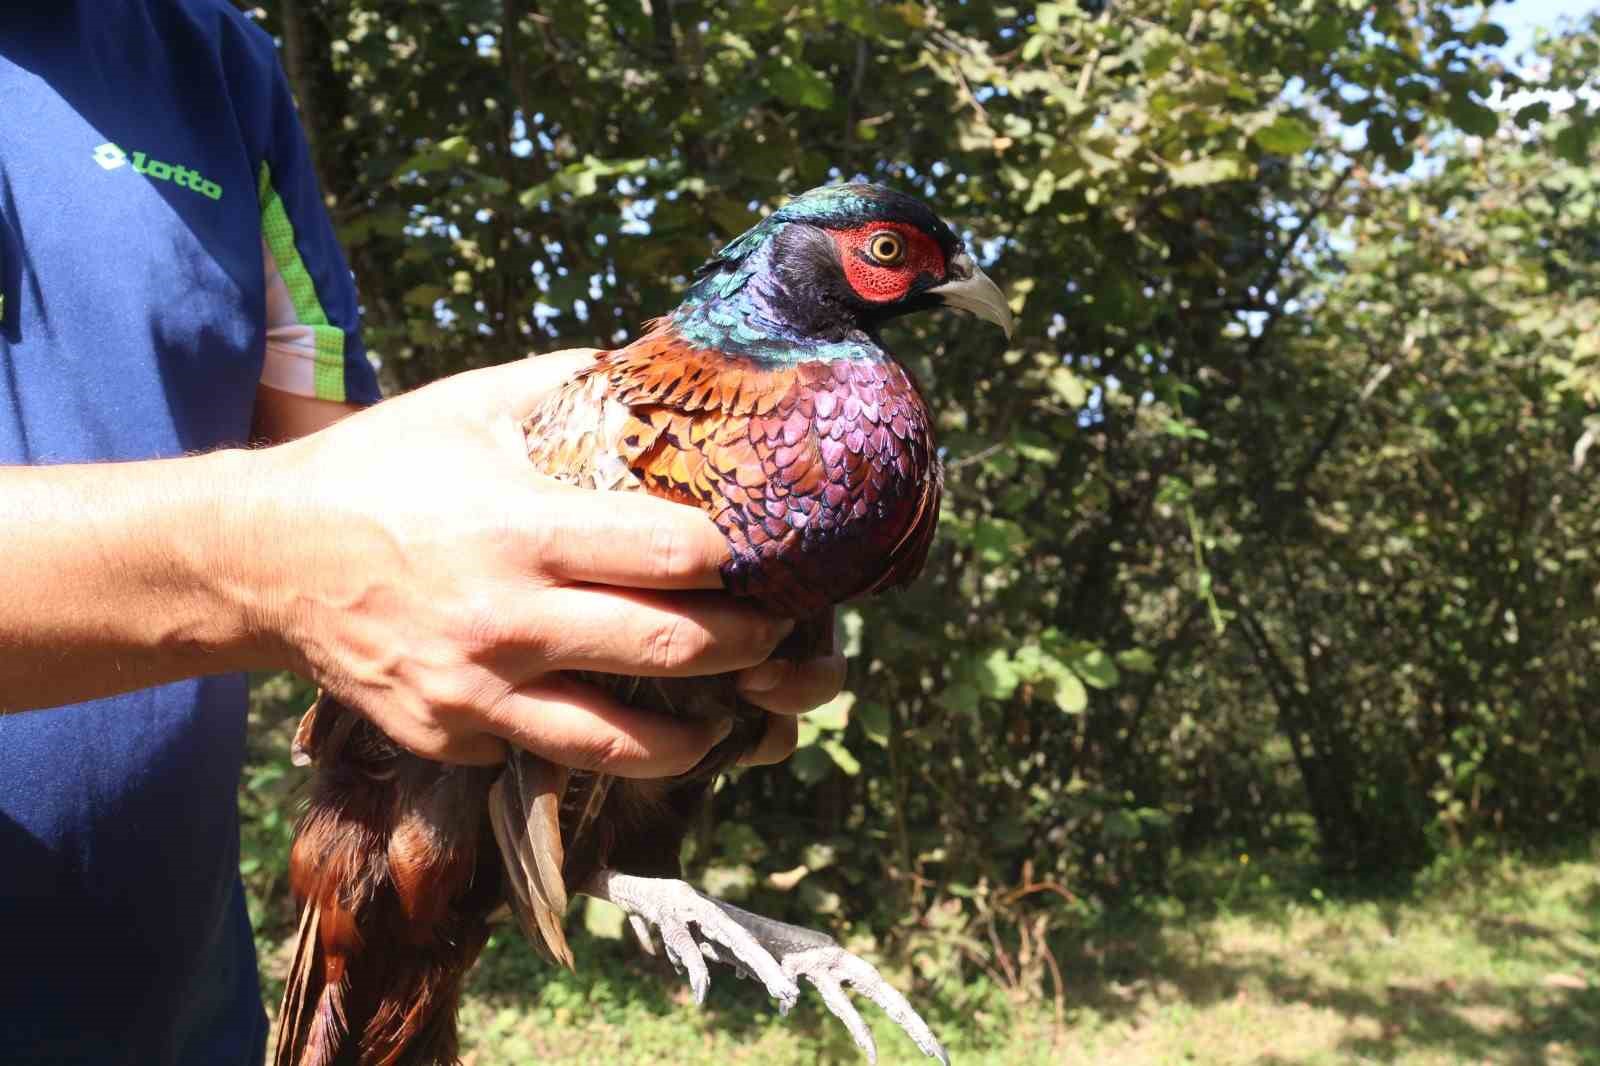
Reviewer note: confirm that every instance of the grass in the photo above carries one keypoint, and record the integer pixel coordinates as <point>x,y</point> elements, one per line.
<point>1480,960</point>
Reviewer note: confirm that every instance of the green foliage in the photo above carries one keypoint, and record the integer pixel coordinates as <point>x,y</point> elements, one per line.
<point>1266,525</point>
<point>269,801</point>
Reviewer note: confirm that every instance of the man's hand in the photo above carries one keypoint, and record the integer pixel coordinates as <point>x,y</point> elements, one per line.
<point>787,689</point>
<point>409,560</point>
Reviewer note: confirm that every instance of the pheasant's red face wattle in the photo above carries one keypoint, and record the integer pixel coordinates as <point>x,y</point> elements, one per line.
<point>884,259</point>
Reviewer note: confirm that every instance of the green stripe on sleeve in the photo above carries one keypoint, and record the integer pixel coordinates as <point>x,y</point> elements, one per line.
<point>279,234</point>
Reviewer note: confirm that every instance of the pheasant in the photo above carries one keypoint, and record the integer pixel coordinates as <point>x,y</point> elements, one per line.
<point>766,399</point>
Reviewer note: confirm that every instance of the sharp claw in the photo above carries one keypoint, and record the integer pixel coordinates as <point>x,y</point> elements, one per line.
<point>695,928</point>
<point>699,976</point>
<point>833,966</point>
<point>731,943</point>
<point>900,1011</point>
<point>700,986</point>
<point>684,954</point>
<point>833,995</point>
<point>641,931</point>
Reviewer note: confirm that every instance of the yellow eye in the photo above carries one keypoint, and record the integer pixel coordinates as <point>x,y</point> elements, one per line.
<point>886,248</point>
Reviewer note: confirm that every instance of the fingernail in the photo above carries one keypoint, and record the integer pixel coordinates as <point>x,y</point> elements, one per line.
<point>724,727</point>
<point>763,678</point>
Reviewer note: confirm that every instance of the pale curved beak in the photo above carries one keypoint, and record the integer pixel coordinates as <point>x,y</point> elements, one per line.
<point>970,289</point>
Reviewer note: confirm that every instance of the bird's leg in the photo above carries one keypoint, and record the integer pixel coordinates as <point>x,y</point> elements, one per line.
<point>671,907</point>
<point>817,957</point>
<point>775,953</point>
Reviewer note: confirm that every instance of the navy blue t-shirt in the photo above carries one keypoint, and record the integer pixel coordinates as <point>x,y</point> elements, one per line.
<point>164,250</point>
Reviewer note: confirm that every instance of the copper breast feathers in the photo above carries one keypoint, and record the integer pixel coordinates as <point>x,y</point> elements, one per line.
<point>822,475</point>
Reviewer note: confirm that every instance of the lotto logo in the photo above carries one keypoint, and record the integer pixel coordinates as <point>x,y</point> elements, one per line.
<point>110,157</point>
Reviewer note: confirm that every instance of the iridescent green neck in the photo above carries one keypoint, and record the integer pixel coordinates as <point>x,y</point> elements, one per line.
<point>734,309</point>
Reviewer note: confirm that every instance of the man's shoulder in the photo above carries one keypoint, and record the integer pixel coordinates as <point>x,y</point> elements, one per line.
<point>215,29</point>
<point>241,55</point>
<point>220,13</point>
<point>225,23</point>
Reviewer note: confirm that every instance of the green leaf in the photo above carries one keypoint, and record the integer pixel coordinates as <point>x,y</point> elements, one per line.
<point>959,698</point>
<point>266,776</point>
<point>1471,116</point>
<point>1044,187</point>
<point>819,856</point>
<point>1031,663</point>
<point>810,765</point>
<point>728,882</point>
<point>1572,143</point>
<point>1488,34</point>
<point>1326,33</point>
<point>1538,111</point>
<point>1183,430</point>
<point>1286,136</point>
<point>436,156</point>
<point>1096,667</point>
<point>795,83</point>
<point>833,715</point>
<point>874,720</point>
<point>1159,56</point>
<point>841,757</point>
<point>489,185</point>
<point>817,899</point>
<point>1136,660</point>
<point>998,539</point>
<point>1035,446</point>
<point>849,631</point>
<point>995,675</point>
<point>1068,386</point>
<point>425,295</point>
<point>1121,825</point>
<point>602,919</point>
<point>1069,695</point>
<point>740,842</point>
<point>1208,171</point>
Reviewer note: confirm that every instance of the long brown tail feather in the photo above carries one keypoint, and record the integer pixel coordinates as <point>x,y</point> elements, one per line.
<point>300,992</point>
<point>525,813</point>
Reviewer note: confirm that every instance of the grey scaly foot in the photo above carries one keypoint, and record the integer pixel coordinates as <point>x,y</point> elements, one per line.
<point>820,960</point>
<point>793,950</point>
<point>676,911</point>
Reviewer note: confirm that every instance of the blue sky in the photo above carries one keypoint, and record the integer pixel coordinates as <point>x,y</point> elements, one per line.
<point>1522,17</point>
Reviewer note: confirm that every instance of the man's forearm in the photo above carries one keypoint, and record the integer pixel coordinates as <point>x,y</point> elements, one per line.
<point>119,576</point>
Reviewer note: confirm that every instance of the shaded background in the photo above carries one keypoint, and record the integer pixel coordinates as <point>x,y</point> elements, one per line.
<point>1269,534</point>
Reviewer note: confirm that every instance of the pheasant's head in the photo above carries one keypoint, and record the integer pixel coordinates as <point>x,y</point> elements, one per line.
<point>827,269</point>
